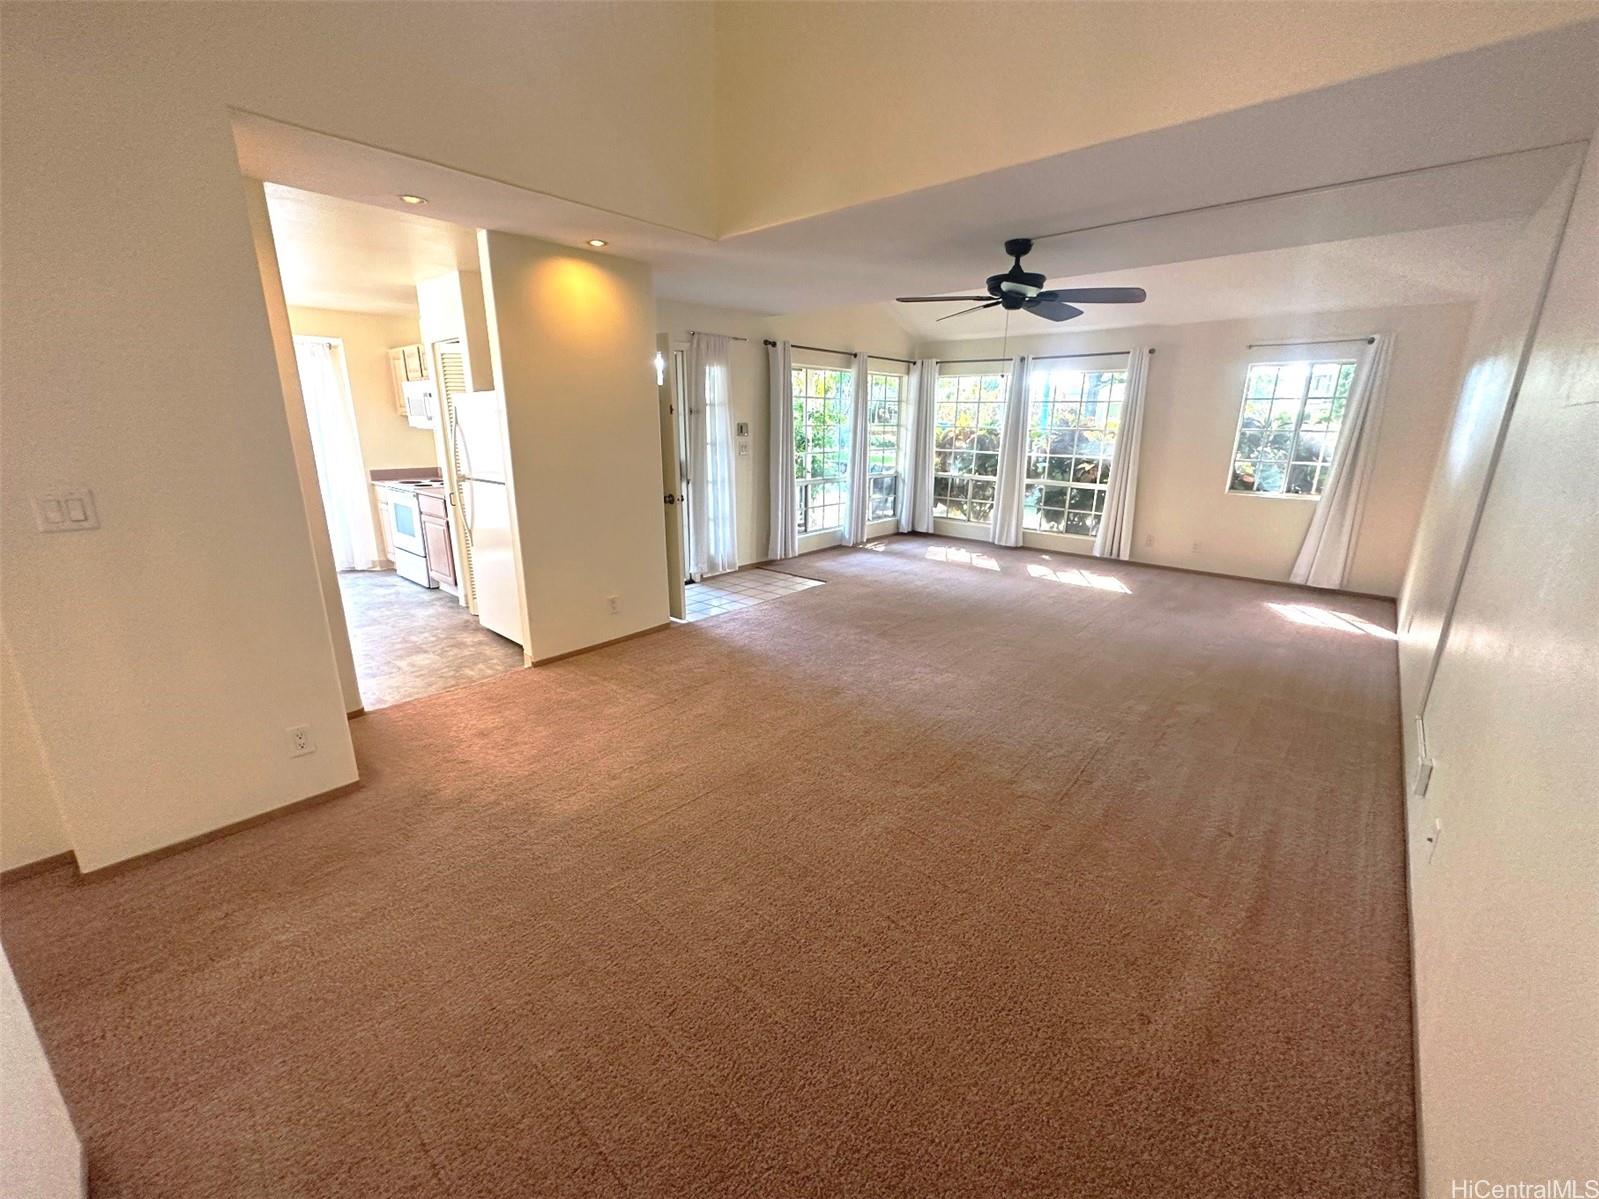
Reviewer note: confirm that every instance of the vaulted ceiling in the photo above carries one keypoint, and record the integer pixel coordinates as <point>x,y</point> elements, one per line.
<point>1468,139</point>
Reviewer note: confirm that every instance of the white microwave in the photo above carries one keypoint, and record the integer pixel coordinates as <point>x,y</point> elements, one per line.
<point>421,403</point>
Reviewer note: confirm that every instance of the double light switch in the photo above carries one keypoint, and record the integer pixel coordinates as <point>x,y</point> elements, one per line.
<point>69,510</point>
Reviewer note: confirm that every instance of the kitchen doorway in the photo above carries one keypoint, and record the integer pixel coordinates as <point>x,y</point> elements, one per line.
<point>391,351</point>
<point>410,641</point>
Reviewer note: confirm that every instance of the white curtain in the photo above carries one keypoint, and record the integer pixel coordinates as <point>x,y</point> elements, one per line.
<point>340,472</point>
<point>713,529</point>
<point>1007,526</point>
<point>916,505</point>
<point>1329,546</point>
<point>858,496</point>
<point>1115,536</point>
<point>783,541</point>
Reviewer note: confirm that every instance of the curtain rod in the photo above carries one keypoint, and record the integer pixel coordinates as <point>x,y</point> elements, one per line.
<point>844,353</point>
<point>1313,341</point>
<point>729,336</point>
<point>1038,357</point>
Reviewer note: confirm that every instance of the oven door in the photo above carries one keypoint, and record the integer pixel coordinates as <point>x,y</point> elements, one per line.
<point>406,519</point>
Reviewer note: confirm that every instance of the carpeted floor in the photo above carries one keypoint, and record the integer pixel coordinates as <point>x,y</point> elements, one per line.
<point>974,872</point>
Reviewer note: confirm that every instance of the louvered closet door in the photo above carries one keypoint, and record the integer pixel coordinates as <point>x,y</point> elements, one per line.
<point>452,382</point>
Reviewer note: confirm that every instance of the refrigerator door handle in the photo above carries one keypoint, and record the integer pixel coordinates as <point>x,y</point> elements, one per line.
<point>463,447</point>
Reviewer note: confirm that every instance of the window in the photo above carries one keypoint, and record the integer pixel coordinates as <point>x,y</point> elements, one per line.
<point>969,411</point>
<point>1072,418</point>
<point>1288,427</point>
<point>821,446</point>
<point>882,441</point>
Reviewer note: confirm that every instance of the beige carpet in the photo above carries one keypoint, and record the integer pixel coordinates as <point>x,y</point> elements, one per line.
<point>938,880</point>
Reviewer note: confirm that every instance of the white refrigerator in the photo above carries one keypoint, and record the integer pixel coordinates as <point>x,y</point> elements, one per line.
<point>486,509</point>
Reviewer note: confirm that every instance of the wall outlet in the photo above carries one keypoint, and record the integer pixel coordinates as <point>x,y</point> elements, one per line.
<point>613,604</point>
<point>1149,540</point>
<point>300,742</point>
<point>1197,546</point>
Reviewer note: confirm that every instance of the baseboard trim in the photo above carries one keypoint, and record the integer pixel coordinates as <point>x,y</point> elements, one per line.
<point>216,834</point>
<point>1185,570</point>
<point>355,714</point>
<point>40,866</point>
<point>589,649</point>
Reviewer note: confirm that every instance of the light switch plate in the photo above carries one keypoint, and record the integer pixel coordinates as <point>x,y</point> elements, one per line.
<point>66,510</point>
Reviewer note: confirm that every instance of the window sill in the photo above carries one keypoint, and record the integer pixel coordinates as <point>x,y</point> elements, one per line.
<point>1271,495</point>
<point>1046,539</point>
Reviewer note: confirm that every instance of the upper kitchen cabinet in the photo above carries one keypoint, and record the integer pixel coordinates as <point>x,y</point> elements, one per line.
<point>408,364</point>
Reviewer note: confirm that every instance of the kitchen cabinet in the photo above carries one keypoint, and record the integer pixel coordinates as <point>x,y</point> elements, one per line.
<point>436,536</point>
<point>408,364</point>
<point>385,521</point>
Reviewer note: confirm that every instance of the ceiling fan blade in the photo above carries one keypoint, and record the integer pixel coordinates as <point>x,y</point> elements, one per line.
<point>964,311</point>
<point>1054,310</point>
<point>941,299</point>
<point>1096,295</point>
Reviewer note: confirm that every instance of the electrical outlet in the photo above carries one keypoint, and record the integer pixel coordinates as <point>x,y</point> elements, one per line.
<point>300,742</point>
<point>1197,547</point>
<point>1149,540</point>
<point>614,604</point>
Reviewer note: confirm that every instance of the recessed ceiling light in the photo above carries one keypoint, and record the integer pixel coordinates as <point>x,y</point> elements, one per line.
<point>413,199</point>
<point>596,242</point>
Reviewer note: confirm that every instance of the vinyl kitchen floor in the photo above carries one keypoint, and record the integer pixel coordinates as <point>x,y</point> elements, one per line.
<point>411,641</point>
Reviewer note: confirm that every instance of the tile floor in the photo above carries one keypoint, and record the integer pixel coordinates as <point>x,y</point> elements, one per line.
<point>411,641</point>
<point>740,589</point>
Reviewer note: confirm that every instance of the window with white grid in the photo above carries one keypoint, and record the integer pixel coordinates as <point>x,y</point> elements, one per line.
<point>1072,418</point>
<point>885,392</point>
<point>821,398</point>
<point>1288,426</point>
<point>968,414</point>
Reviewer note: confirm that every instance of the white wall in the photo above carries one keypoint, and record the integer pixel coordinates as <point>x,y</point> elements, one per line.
<point>388,440</point>
<point>1495,353</point>
<point>572,338</point>
<point>40,1154</point>
<point>1505,907</point>
<point>138,359</point>
<point>822,105</point>
<point>868,327</point>
<point>1185,516</point>
<point>299,427</point>
<point>30,815</point>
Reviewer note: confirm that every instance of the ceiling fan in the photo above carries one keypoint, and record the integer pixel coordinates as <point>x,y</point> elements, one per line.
<point>1019,289</point>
